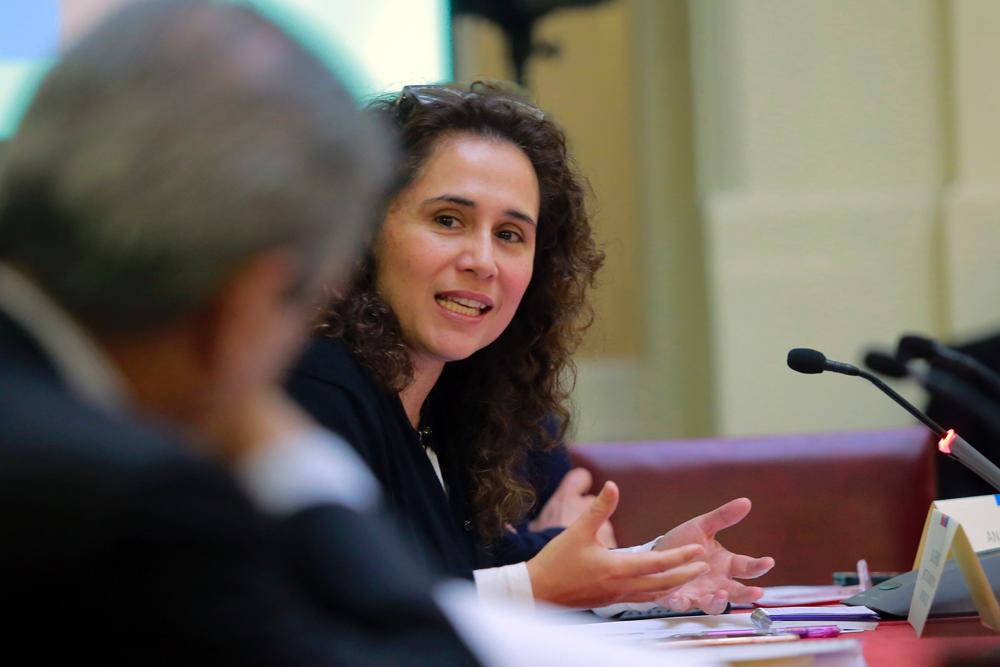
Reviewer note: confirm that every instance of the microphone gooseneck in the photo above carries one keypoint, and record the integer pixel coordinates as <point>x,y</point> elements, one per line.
<point>805,360</point>
<point>808,360</point>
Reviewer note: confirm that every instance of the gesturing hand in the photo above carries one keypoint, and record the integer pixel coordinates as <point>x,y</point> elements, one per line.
<point>713,589</point>
<point>576,570</point>
<point>569,501</point>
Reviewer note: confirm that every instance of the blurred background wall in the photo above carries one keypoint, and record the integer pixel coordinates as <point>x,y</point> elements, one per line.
<point>771,174</point>
<point>766,174</point>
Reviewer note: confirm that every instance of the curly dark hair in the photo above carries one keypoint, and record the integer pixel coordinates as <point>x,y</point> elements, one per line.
<point>529,367</point>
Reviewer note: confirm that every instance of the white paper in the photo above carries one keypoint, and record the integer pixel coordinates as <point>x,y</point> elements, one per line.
<point>651,629</point>
<point>781,596</point>
<point>824,652</point>
<point>505,636</point>
<point>651,633</point>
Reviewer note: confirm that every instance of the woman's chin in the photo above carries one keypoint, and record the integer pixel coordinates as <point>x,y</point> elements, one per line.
<point>456,352</point>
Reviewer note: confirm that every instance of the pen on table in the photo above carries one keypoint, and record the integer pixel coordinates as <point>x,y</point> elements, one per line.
<point>804,632</point>
<point>864,577</point>
<point>724,641</point>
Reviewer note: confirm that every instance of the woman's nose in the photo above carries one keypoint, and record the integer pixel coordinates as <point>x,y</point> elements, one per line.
<point>478,256</point>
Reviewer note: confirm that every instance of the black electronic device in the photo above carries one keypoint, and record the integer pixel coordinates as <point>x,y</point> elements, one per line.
<point>891,599</point>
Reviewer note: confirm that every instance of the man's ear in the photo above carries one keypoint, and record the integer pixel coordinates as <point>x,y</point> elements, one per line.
<point>244,325</point>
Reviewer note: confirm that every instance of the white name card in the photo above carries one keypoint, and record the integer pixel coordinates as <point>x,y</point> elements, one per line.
<point>979,516</point>
<point>946,536</point>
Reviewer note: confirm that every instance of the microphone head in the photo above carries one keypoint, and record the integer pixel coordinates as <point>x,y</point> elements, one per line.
<point>804,360</point>
<point>886,365</point>
<point>913,346</point>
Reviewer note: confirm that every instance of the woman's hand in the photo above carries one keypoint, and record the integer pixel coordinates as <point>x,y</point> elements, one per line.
<point>576,570</point>
<point>568,502</point>
<point>711,591</point>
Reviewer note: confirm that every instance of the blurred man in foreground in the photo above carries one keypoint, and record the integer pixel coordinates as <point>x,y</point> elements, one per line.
<point>184,183</point>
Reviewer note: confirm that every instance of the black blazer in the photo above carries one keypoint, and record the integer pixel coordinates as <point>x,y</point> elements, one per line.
<point>118,543</point>
<point>342,396</point>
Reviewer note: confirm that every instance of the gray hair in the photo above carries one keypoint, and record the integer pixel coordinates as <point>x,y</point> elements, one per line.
<point>171,146</point>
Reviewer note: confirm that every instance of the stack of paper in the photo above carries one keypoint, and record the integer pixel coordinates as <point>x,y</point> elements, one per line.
<point>857,617</point>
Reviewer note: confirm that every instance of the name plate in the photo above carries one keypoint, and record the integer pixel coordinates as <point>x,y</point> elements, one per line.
<point>956,529</point>
<point>979,516</point>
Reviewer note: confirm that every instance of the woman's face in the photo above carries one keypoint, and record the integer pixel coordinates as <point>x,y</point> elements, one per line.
<point>456,251</point>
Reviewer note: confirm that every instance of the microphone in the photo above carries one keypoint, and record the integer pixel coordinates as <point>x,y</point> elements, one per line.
<point>887,365</point>
<point>805,360</point>
<point>939,382</point>
<point>919,347</point>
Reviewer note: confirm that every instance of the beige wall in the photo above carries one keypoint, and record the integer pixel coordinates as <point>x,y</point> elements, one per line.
<point>972,198</point>
<point>783,173</point>
<point>586,90</point>
<point>641,371</point>
<point>848,192</point>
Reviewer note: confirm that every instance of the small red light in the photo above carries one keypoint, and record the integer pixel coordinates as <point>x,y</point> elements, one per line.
<point>944,444</point>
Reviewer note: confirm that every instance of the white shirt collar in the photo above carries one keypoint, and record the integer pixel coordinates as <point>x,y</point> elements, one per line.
<point>82,365</point>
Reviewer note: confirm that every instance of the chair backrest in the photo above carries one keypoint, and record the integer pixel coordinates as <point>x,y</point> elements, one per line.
<point>821,501</point>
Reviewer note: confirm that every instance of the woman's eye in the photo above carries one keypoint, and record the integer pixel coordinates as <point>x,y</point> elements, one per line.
<point>448,221</point>
<point>510,235</point>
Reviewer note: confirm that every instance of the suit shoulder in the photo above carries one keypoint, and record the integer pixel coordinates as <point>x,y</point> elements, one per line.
<point>54,448</point>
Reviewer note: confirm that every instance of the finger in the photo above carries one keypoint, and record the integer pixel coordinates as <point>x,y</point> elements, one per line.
<point>714,603</point>
<point>724,516</point>
<point>664,581</point>
<point>577,482</point>
<point>606,535</point>
<point>745,594</point>
<point>653,562</point>
<point>676,602</point>
<point>600,510</point>
<point>747,567</point>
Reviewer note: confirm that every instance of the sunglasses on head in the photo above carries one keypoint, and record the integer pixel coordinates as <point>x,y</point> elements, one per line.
<point>426,95</point>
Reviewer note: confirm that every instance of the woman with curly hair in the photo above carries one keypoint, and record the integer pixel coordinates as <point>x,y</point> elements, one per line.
<point>449,359</point>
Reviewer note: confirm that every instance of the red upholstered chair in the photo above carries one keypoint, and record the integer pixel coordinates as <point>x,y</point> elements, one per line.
<point>821,501</point>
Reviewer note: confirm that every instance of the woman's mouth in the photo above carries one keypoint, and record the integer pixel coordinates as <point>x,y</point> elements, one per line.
<point>463,305</point>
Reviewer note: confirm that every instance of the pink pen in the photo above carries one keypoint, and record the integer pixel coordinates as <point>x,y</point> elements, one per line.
<point>804,632</point>
<point>814,632</point>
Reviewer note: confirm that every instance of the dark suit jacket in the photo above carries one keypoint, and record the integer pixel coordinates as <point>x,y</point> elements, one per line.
<point>117,543</point>
<point>340,394</point>
<point>544,470</point>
